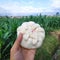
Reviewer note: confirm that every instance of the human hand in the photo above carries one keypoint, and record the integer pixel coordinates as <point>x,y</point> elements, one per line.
<point>19,53</point>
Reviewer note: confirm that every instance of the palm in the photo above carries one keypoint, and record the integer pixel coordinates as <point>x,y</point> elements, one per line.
<point>27,54</point>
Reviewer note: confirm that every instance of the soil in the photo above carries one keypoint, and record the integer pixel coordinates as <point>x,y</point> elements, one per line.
<point>56,34</point>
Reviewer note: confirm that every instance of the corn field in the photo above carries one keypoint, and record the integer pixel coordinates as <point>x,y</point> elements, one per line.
<point>8,35</point>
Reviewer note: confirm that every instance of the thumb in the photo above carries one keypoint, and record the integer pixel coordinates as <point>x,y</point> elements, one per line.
<point>18,41</point>
<point>16,46</point>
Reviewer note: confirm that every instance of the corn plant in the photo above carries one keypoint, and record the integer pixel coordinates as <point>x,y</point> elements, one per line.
<point>8,32</point>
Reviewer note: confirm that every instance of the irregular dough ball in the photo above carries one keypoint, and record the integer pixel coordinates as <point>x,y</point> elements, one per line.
<point>33,34</point>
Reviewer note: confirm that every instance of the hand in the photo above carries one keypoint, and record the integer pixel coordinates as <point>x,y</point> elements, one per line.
<point>19,53</point>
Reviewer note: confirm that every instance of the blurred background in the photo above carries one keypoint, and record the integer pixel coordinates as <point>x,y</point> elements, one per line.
<point>44,12</point>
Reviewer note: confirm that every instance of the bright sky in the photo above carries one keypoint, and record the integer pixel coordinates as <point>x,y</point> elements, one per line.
<point>30,6</point>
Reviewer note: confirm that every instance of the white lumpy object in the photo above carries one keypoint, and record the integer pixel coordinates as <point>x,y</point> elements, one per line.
<point>33,34</point>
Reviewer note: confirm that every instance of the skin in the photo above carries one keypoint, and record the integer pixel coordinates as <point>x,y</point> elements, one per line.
<point>19,53</point>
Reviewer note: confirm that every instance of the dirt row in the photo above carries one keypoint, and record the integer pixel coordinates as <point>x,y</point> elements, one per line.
<point>56,34</point>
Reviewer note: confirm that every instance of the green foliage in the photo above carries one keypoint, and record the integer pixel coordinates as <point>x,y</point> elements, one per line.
<point>47,49</point>
<point>8,32</point>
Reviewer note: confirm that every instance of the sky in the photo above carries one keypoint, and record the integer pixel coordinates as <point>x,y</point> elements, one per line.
<point>30,6</point>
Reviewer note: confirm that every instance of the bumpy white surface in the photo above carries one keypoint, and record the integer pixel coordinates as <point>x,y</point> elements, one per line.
<point>33,34</point>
